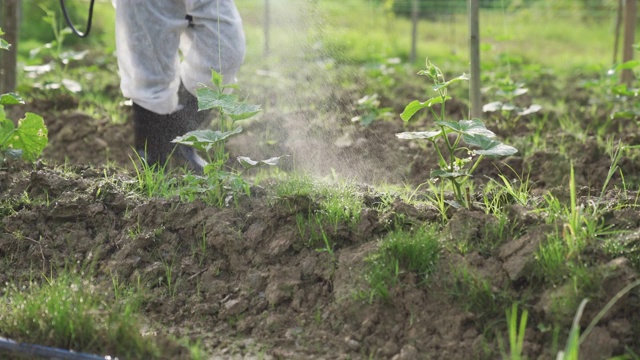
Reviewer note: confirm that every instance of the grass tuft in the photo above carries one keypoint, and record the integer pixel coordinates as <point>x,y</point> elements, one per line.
<point>69,313</point>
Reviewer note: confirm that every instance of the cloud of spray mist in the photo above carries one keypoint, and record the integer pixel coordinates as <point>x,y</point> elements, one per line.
<point>307,100</point>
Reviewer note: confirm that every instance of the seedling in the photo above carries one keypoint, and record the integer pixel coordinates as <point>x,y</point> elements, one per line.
<point>458,161</point>
<point>220,182</point>
<point>402,252</point>
<point>29,138</point>
<point>509,90</point>
<point>370,111</point>
<point>516,333</point>
<point>62,59</point>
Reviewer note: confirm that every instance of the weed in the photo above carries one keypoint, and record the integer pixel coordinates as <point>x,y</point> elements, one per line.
<point>152,180</point>
<point>453,167</point>
<point>370,110</point>
<point>171,281</point>
<point>476,294</point>
<point>516,331</point>
<point>338,205</point>
<point>69,313</point>
<point>402,252</point>
<point>518,190</point>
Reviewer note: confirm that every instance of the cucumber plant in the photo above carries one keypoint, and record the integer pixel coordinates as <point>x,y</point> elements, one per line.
<point>28,138</point>
<point>212,142</point>
<point>465,142</point>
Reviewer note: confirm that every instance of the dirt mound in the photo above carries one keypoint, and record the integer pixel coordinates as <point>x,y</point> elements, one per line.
<point>245,282</point>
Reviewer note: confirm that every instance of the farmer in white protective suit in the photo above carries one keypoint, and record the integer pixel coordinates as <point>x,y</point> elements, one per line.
<point>150,36</point>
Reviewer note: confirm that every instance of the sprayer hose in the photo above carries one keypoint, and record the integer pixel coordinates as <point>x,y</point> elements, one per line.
<point>46,352</point>
<point>73,28</point>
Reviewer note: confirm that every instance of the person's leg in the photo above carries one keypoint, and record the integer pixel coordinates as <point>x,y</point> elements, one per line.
<point>147,42</point>
<point>214,40</point>
<point>147,38</point>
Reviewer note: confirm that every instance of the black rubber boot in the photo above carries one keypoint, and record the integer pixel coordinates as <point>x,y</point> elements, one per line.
<point>153,134</point>
<point>198,119</point>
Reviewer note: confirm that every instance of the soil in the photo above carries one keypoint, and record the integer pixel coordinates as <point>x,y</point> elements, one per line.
<point>249,287</point>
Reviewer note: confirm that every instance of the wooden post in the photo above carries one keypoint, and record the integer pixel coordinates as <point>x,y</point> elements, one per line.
<point>8,59</point>
<point>474,56</point>
<point>267,25</point>
<point>415,11</point>
<point>616,36</point>
<point>630,15</point>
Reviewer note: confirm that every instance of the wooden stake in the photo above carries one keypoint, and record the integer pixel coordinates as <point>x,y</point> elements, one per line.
<point>630,15</point>
<point>415,11</point>
<point>616,39</point>
<point>474,56</point>
<point>267,26</point>
<point>8,59</point>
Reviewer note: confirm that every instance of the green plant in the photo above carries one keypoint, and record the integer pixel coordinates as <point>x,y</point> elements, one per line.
<point>575,338</point>
<point>456,163</point>
<point>29,138</point>
<point>170,280</point>
<point>476,294</point>
<point>401,252</point>
<point>61,59</point>
<point>70,313</point>
<point>516,331</point>
<point>507,107</point>
<point>369,109</point>
<point>4,45</point>
<point>518,189</point>
<point>152,180</point>
<point>220,182</point>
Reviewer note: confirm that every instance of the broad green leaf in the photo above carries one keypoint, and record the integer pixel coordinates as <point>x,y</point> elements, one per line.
<point>247,163</point>
<point>626,114</point>
<point>629,65</point>
<point>205,140</point>
<point>6,128</point>
<point>444,174</point>
<point>468,127</point>
<point>534,108</point>
<point>4,45</point>
<point>216,78</point>
<point>416,106</point>
<point>10,99</point>
<point>243,111</point>
<point>209,98</point>
<point>622,90</point>
<point>429,135</point>
<point>30,136</point>
<point>227,103</point>
<point>492,106</point>
<point>446,84</point>
<point>489,146</point>
<point>72,85</point>
<point>511,93</point>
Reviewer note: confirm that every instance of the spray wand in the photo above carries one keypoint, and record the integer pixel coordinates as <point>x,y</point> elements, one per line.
<point>73,28</point>
<point>47,352</point>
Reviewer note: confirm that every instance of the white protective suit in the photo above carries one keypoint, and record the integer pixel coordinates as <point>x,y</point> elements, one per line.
<point>149,34</point>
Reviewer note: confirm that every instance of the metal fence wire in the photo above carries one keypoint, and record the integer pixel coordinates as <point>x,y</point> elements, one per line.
<point>434,7</point>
